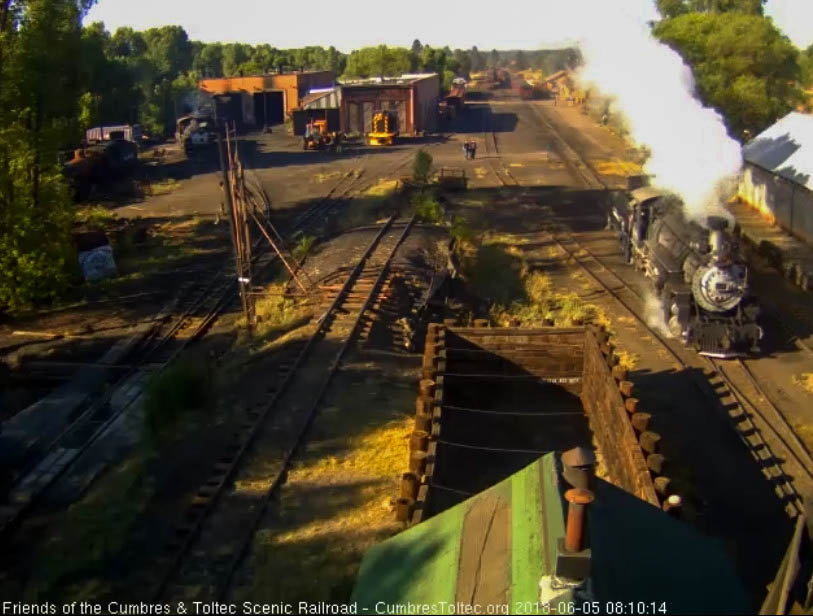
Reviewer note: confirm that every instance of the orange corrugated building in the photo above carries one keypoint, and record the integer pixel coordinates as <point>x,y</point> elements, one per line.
<point>260,100</point>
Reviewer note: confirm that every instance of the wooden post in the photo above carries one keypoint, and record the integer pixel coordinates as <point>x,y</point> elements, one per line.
<point>424,405</point>
<point>625,387</point>
<point>417,462</point>
<point>649,441</point>
<point>418,440</point>
<point>423,422</point>
<point>409,484</point>
<point>640,421</point>
<point>427,387</point>
<point>655,463</point>
<point>662,485</point>
<point>403,509</point>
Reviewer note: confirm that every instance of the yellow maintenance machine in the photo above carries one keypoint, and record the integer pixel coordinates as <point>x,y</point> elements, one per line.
<point>384,128</point>
<point>318,137</point>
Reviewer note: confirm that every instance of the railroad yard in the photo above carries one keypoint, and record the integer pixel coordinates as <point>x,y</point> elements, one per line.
<point>164,453</point>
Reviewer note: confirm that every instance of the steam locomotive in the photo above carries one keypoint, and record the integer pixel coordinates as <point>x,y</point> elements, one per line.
<point>697,272</point>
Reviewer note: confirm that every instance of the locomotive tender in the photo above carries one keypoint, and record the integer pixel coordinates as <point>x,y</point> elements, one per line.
<point>697,272</point>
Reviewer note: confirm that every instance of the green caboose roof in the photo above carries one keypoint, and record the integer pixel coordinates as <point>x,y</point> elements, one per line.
<point>494,548</point>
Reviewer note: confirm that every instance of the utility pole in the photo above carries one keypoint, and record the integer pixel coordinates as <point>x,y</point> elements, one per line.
<point>243,282</point>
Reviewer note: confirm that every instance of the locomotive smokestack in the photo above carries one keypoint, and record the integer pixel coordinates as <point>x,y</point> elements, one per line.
<point>718,245</point>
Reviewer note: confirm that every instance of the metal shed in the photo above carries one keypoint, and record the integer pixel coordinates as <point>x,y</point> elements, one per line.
<point>777,175</point>
<point>412,97</point>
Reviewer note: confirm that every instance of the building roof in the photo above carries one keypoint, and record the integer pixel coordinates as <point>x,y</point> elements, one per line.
<point>322,98</point>
<point>496,546</point>
<point>786,149</point>
<point>556,75</point>
<point>402,81</point>
<point>250,83</point>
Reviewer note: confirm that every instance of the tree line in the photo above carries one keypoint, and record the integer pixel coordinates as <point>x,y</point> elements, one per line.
<point>58,77</point>
<point>742,64</point>
<point>449,63</point>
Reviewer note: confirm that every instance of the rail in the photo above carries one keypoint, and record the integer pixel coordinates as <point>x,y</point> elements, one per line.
<point>225,470</point>
<point>748,426</point>
<point>46,470</point>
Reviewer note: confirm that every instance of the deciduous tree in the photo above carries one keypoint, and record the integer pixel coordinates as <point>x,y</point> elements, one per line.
<point>743,65</point>
<point>673,8</point>
<point>39,95</point>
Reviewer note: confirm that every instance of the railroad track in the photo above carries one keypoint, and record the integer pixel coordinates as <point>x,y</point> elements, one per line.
<point>196,308</point>
<point>492,150</point>
<point>725,383</point>
<point>217,531</point>
<point>582,170</point>
<point>721,385</point>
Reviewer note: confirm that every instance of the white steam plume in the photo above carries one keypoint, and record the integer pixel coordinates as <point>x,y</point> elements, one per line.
<point>649,83</point>
<point>653,314</point>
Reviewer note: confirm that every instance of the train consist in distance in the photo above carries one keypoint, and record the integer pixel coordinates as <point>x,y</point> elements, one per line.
<point>696,270</point>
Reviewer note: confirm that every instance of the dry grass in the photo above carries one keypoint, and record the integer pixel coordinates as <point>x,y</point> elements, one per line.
<point>163,187</point>
<point>617,167</point>
<point>277,313</point>
<point>504,238</point>
<point>362,211</point>
<point>545,305</point>
<point>381,453</point>
<point>320,178</point>
<point>337,500</point>
<point>73,562</point>
<point>383,188</point>
<point>805,381</point>
<point>96,217</point>
<point>627,360</point>
<point>805,432</point>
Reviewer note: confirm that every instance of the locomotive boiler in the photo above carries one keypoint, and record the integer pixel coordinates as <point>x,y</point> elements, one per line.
<point>696,270</point>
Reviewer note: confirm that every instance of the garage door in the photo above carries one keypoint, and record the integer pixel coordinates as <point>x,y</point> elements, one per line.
<point>353,123</point>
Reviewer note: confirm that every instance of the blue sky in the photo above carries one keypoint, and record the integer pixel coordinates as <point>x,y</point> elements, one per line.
<point>348,24</point>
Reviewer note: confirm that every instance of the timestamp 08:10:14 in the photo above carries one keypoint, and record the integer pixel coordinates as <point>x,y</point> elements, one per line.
<point>590,607</point>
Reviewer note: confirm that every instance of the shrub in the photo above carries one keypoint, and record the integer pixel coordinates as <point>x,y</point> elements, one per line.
<point>427,207</point>
<point>277,312</point>
<point>303,247</point>
<point>495,275</point>
<point>95,217</point>
<point>422,166</point>
<point>461,230</point>
<point>182,387</point>
<point>37,256</point>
